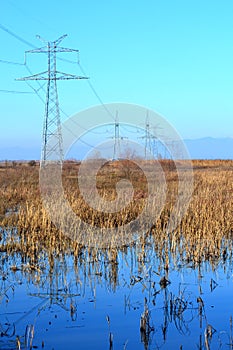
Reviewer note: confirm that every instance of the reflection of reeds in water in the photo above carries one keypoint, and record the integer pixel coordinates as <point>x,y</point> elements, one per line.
<point>110,336</point>
<point>145,326</point>
<point>204,234</point>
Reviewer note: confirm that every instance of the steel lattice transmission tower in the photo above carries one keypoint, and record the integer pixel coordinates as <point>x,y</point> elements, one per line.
<point>117,139</point>
<point>147,137</point>
<point>116,151</point>
<point>52,122</point>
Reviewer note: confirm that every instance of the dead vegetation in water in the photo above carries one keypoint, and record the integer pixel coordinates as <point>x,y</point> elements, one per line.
<point>205,232</point>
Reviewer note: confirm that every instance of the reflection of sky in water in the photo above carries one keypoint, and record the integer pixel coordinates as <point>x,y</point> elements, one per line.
<point>69,311</point>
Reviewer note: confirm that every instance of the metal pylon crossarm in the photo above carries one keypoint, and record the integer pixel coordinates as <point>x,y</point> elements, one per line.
<point>52,150</point>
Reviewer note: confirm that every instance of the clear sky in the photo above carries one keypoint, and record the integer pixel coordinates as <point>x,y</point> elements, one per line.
<point>173,56</point>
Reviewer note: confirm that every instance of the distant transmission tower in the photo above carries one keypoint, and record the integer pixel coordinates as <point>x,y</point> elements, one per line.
<point>148,137</point>
<point>117,139</point>
<point>116,150</point>
<point>52,122</point>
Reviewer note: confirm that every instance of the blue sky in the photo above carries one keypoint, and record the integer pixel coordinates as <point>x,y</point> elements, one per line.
<point>173,56</point>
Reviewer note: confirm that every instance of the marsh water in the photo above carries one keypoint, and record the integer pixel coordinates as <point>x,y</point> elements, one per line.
<point>131,300</point>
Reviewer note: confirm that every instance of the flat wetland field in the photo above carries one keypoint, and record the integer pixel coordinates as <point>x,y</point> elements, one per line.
<point>157,289</point>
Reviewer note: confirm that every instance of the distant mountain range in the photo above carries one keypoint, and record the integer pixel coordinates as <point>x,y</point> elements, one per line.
<point>203,148</point>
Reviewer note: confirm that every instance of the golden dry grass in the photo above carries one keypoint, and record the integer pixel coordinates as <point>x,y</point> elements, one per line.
<point>205,232</point>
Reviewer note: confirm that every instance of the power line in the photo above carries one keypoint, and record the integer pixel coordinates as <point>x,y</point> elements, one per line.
<point>16,36</point>
<point>85,142</point>
<point>117,138</point>
<point>16,92</point>
<point>89,130</point>
<point>130,131</point>
<point>52,122</point>
<point>149,137</point>
<point>41,86</point>
<point>41,76</point>
<point>13,63</point>
<point>19,38</point>
<point>96,94</point>
<point>35,91</point>
<point>82,141</point>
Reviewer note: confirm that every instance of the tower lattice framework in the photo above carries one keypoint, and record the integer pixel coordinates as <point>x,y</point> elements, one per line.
<point>52,121</point>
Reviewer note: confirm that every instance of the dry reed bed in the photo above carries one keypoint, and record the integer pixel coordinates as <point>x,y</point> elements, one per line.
<point>205,232</point>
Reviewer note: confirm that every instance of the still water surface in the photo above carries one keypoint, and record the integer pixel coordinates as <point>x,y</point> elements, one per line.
<point>97,303</point>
